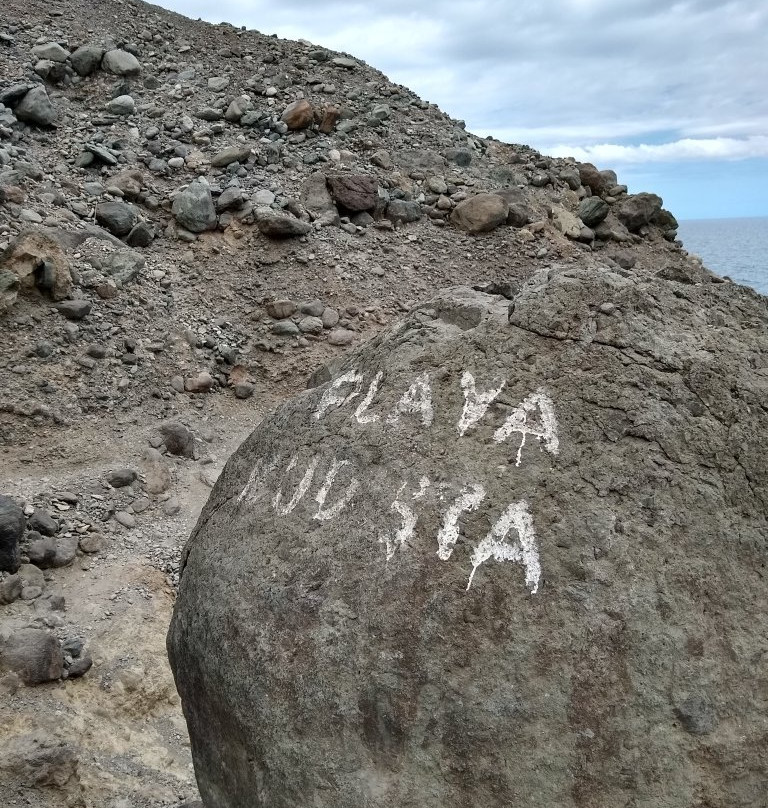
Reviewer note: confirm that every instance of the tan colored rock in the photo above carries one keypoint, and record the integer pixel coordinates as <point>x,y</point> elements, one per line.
<point>480,214</point>
<point>130,182</point>
<point>298,115</point>
<point>566,222</point>
<point>38,261</point>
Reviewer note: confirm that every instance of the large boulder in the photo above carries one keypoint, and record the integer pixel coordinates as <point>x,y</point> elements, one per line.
<point>36,107</point>
<point>639,210</point>
<point>34,655</point>
<point>194,208</point>
<point>117,217</point>
<point>480,213</point>
<point>121,63</point>
<point>11,531</point>
<point>511,553</point>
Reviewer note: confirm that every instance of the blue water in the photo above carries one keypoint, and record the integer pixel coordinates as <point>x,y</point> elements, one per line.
<point>737,248</point>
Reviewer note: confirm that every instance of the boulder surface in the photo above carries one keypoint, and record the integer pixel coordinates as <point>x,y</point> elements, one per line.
<point>508,549</point>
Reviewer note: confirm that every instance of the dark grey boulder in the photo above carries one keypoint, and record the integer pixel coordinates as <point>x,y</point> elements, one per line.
<point>36,107</point>
<point>194,208</point>
<point>74,309</point>
<point>178,439</point>
<point>11,530</point>
<point>34,655</point>
<point>593,210</point>
<point>86,59</point>
<point>638,210</point>
<point>117,217</point>
<point>490,562</point>
<point>43,522</point>
<point>402,211</point>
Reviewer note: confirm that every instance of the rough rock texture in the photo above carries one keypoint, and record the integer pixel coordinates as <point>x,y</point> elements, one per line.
<point>39,263</point>
<point>11,530</point>
<point>36,107</point>
<point>34,655</point>
<point>510,549</point>
<point>194,208</point>
<point>480,213</point>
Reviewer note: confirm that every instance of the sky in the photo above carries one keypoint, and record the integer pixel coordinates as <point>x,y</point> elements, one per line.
<point>671,95</point>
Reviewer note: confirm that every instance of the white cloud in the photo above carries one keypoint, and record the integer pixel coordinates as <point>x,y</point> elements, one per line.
<point>721,148</point>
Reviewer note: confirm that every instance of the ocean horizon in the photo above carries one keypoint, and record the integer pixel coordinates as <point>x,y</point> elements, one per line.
<point>736,248</point>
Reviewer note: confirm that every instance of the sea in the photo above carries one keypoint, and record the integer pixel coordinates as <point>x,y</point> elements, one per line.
<point>737,248</point>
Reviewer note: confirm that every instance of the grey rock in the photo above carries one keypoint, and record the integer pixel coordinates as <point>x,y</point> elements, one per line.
<point>402,211</point>
<point>79,667</point>
<point>51,51</point>
<point>127,520</point>
<point>157,475</point>
<point>36,107</point>
<point>121,63</point>
<point>119,478</point>
<point>10,589</point>
<point>100,153</point>
<point>462,157</point>
<point>487,482</point>
<point>315,196</point>
<point>141,235</point>
<point>280,309</point>
<point>194,208</point>
<point>86,59</point>
<point>43,522</point>
<point>178,439</point>
<point>285,328</point>
<point>66,551</point>
<point>121,105</point>
<point>12,525</point>
<point>314,308</point>
<point>218,83</point>
<point>117,217</point>
<point>311,325</point>
<point>238,108</point>
<point>10,96</point>
<point>638,210</point>
<point>74,309</point>
<point>232,154</point>
<point>34,655</point>
<point>341,337</point>
<point>231,198</point>
<point>41,551</point>
<point>280,225</point>
<point>123,265</point>
<point>593,210</point>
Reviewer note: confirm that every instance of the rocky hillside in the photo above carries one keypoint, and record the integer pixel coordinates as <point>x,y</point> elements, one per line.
<point>193,219</point>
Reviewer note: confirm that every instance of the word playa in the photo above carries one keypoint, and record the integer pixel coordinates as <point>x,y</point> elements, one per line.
<point>337,482</point>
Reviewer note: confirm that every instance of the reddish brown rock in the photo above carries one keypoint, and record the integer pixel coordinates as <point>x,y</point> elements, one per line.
<point>298,115</point>
<point>354,192</point>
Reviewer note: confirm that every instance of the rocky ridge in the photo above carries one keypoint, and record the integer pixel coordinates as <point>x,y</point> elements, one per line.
<point>192,219</point>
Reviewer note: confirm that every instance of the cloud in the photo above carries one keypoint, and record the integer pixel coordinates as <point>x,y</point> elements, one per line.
<point>721,148</point>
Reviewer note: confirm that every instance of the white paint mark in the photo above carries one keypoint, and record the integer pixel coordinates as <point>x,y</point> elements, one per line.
<point>416,399</point>
<point>405,531</point>
<point>525,552</point>
<point>517,421</point>
<point>301,490</point>
<point>325,514</point>
<point>360,415</point>
<point>258,473</point>
<point>475,404</point>
<point>423,485</point>
<point>332,397</point>
<point>468,500</point>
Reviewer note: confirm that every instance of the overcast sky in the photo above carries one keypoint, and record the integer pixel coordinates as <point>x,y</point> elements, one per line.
<point>672,95</point>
